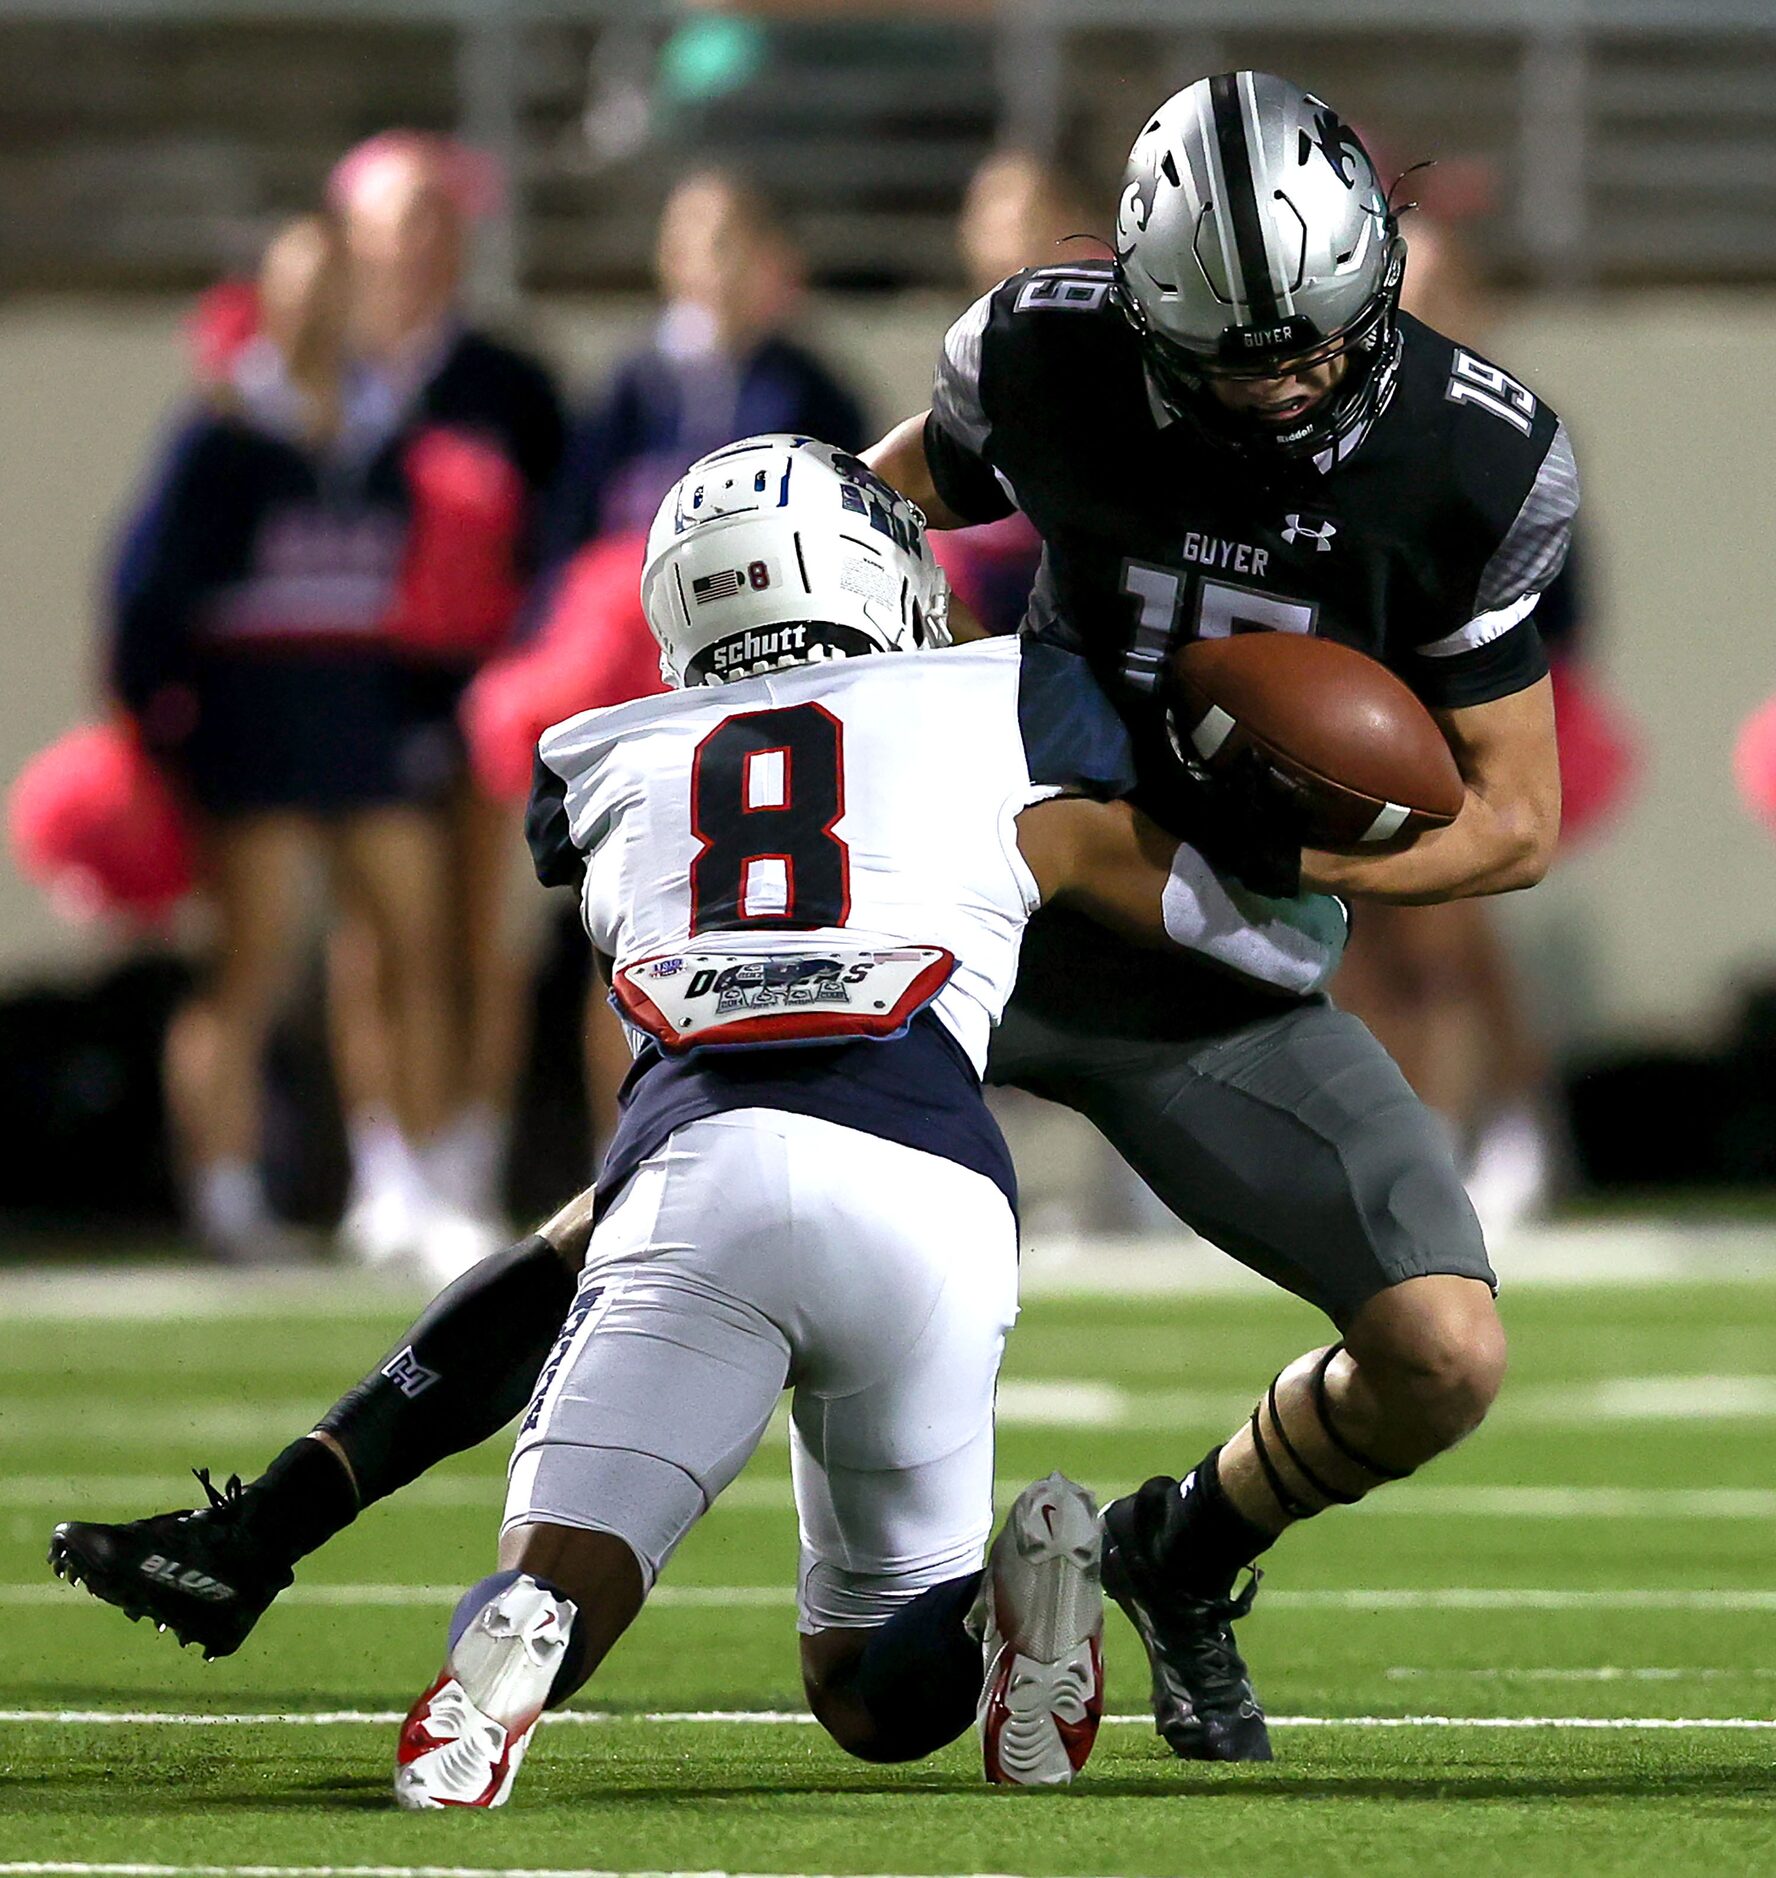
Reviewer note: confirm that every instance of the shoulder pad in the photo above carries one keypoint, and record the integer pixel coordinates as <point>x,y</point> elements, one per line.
<point>1063,287</point>
<point>1042,328</point>
<point>1490,422</point>
<point>1510,482</point>
<point>1069,303</point>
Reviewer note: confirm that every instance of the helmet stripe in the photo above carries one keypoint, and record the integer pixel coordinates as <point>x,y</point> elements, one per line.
<point>1240,199</point>
<point>1285,287</point>
<point>1214,195</point>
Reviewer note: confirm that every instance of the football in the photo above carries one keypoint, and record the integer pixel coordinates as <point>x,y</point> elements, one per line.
<point>1362,760</point>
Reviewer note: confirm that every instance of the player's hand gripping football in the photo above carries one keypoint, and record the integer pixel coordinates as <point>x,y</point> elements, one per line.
<point>1252,825</point>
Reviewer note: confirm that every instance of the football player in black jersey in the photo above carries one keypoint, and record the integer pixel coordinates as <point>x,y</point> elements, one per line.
<point>1230,427</point>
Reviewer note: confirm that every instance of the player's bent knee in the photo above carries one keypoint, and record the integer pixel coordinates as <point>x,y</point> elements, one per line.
<point>850,1727</point>
<point>830,1660</point>
<point>838,1689</point>
<point>853,1729</point>
<point>1433,1349</point>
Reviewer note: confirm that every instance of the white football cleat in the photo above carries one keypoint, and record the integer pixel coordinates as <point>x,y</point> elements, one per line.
<point>463,1739</point>
<point>1042,1614</point>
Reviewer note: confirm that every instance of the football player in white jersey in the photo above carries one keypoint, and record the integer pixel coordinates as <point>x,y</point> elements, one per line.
<point>807,872</point>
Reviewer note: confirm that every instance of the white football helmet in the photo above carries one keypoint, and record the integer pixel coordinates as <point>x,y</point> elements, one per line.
<point>782,551</point>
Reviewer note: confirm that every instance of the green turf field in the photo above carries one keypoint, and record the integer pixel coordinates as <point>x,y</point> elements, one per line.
<point>1604,1552</point>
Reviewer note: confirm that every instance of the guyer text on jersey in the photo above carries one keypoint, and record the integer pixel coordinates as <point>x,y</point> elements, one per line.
<point>1236,557</point>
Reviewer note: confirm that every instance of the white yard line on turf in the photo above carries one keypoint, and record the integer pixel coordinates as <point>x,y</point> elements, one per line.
<point>124,1494</point>
<point>1606,1252</point>
<point>1036,1402</point>
<point>1496,1598</point>
<point>700,1597</point>
<point>1604,1672</point>
<point>69,1868</point>
<point>791,1718</point>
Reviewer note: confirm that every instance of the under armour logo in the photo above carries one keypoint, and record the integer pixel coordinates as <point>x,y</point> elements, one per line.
<point>408,1373</point>
<point>1320,533</point>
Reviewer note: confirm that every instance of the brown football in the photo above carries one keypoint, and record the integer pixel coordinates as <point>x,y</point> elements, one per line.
<point>1363,759</point>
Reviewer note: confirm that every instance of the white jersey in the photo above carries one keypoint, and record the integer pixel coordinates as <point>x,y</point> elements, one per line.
<point>869,804</point>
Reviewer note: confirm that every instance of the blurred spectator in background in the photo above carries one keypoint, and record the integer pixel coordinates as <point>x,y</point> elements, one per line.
<point>1436,984</point>
<point>721,364</point>
<point>223,321</point>
<point>1020,211</point>
<point>481,433</point>
<point>249,606</point>
<point>1754,763</point>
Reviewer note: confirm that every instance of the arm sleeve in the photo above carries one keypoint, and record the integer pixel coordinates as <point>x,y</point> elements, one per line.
<point>958,430</point>
<point>1496,650</point>
<point>557,861</point>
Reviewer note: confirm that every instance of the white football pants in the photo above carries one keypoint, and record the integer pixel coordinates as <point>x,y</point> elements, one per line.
<point>759,1250</point>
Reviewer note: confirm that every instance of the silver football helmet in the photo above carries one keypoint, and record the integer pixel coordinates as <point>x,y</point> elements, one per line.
<point>1252,232</point>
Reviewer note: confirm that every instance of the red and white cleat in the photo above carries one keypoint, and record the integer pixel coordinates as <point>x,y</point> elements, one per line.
<point>463,1739</point>
<point>1042,1611</point>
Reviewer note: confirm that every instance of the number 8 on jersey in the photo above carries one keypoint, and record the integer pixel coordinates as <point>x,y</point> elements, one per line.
<point>767,790</point>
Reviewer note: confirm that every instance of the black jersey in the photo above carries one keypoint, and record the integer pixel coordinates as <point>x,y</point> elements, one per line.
<point>1425,545</point>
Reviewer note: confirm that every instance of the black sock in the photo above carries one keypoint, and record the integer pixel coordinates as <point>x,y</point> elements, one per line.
<point>1194,1537</point>
<point>920,1674</point>
<point>466,1367</point>
<point>301,1500</point>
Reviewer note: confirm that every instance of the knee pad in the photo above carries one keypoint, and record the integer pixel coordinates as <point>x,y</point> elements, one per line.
<point>920,1674</point>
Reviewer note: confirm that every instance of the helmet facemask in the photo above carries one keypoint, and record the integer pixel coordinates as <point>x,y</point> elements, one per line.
<point>1182,379</point>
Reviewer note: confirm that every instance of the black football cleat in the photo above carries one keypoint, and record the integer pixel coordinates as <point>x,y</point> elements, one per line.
<point>199,1574</point>
<point>1204,1707</point>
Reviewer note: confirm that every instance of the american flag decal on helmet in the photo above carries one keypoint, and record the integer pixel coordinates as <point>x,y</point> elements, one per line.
<point>722,586</point>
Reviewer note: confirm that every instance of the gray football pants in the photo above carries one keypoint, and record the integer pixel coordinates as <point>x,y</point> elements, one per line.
<point>1292,1142</point>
